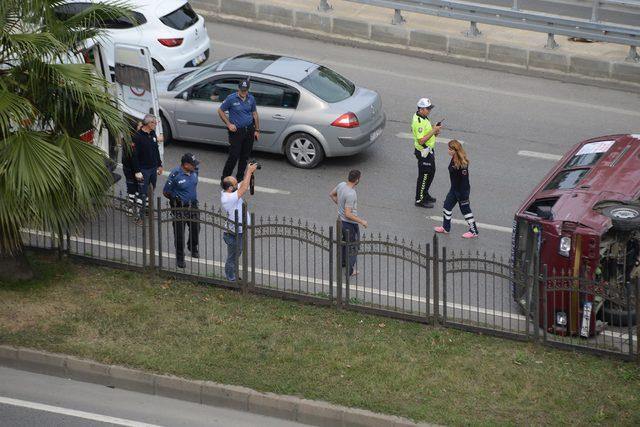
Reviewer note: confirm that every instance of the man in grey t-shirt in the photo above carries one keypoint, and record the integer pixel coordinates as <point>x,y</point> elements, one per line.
<point>344,195</point>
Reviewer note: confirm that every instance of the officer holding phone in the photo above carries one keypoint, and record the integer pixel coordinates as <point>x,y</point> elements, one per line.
<point>424,141</point>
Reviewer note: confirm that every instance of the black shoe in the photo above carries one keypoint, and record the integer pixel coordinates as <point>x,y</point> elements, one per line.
<point>195,254</point>
<point>181,264</point>
<point>431,199</point>
<point>427,205</point>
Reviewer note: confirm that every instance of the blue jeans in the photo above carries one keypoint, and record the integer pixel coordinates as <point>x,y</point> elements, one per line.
<point>234,249</point>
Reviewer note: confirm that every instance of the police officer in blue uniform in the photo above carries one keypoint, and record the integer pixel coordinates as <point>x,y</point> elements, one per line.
<point>243,124</point>
<point>180,189</point>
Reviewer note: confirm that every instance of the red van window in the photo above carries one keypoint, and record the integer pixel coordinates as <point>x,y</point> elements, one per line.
<point>565,180</point>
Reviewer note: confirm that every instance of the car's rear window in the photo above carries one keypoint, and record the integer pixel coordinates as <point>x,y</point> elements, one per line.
<point>181,18</point>
<point>328,85</point>
<point>69,10</point>
<point>589,154</point>
<point>567,179</point>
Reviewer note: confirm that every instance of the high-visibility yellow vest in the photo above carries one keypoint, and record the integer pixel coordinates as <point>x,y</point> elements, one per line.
<point>420,126</point>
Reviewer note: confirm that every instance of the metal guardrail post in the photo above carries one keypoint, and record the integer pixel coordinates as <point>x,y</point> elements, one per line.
<point>397,17</point>
<point>473,30</point>
<point>544,302</point>
<point>253,250</point>
<point>551,42</point>
<point>633,55</point>
<point>515,5</point>
<point>629,318</point>
<point>637,289</point>
<point>436,281</point>
<point>324,6</point>
<point>595,11</point>
<point>444,286</point>
<point>245,244</point>
<point>235,253</point>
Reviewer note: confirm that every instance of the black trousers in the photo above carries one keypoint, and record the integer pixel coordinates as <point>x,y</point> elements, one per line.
<point>462,200</point>
<point>426,172</point>
<point>181,220</point>
<point>241,142</point>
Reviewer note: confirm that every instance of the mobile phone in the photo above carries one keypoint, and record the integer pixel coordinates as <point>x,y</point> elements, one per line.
<point>440,123</point>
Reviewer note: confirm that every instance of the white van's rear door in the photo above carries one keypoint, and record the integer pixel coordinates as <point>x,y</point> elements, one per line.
<point>136,85</point>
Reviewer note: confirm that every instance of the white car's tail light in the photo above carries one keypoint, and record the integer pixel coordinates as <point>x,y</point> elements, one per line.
<point>347,120</point>
<point>171,42</point>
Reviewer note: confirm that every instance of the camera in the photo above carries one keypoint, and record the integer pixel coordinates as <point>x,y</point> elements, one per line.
<point>253,162</point>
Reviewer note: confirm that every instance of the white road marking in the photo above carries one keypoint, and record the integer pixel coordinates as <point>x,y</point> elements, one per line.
<point>395,75</point>
<point>479,224</point>
<point>73,413</point>
<point>217,182</point>
<point>322,282</point>
<point>545,156</point>
<point>407,135</point>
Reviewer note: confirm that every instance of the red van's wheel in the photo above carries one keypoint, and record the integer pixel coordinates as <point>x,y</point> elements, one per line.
<point>623,217</point>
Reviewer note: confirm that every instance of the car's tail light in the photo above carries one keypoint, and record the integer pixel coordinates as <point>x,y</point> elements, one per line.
<point>347,120</point>
<point>171,42</point>
<point>87,136</point>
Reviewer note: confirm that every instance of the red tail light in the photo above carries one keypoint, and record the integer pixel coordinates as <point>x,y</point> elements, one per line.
<point>171,42</point>
<point>87,136</point>
<point>347,120</point>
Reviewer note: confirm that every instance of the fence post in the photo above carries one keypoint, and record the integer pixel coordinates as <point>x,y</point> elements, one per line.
<point>444,285</point>
<point>637,289</point>
<point>436,281</point>
<point>68,241</point>
<point>398,18</point>
<point>60,240</point>
<point>338,264</point>
<point>235,253</point>
<point>144,236</point>
<point>152,233</point>
<point>347,266</point>
<point>245,255</point>
<point>253,250</point>
<point>331,263</point>
<point>595,10</point>
<point>535,295</point>
<point>473,30</point>
<point>632,56</point>
<point>629,318</point>
<point>545,278</point>
<point>427,271</point>
<point>159,223</point>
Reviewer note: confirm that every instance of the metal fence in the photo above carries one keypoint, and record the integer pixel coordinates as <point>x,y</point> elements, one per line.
<point>515,17</point>
<point>414,281</point>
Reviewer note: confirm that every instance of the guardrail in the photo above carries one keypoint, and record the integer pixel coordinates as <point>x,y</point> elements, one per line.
<point>514,17</point>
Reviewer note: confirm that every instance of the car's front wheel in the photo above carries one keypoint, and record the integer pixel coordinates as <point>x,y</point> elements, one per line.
<point>303,151</point>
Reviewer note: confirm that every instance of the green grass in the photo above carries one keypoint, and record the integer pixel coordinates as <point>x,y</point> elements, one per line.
<point>424,373</point>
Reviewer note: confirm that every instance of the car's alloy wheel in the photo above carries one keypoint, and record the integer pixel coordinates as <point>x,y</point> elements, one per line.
<point>304,151</point>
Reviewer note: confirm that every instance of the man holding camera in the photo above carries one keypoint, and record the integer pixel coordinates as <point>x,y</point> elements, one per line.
<point>180,189</point>
<point>243,124</point>
<point>232,202</point>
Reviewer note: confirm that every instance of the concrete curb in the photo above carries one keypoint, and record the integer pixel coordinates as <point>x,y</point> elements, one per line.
<point>204,392</point>
<point>617,75</point>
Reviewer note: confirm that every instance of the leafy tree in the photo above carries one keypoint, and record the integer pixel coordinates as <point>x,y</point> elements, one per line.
<point>49,177</point>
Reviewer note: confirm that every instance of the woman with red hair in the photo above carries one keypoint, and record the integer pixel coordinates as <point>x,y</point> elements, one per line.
<point>459,191</point>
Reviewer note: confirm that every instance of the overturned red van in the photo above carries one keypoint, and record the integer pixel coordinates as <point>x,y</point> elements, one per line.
<point>583,220</point>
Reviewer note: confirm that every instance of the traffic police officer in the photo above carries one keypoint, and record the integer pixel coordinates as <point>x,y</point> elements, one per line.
<point>180,189</point>
<point>424,141</point>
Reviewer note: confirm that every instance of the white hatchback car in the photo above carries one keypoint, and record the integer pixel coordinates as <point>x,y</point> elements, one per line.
<point>175,35</point>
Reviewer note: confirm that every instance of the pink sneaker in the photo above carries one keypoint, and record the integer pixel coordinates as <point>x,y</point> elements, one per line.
<point>440,229</point>
<point>469,235</point>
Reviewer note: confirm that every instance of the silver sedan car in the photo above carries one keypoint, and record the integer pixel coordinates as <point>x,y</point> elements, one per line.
<point>307,111</point>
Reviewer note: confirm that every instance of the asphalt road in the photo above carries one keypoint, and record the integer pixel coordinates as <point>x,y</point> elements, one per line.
<point>29,399</point>
<point>496,114</point>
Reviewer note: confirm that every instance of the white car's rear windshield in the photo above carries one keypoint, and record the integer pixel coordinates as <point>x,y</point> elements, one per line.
<point>181,18</point>
<point>328,85</point>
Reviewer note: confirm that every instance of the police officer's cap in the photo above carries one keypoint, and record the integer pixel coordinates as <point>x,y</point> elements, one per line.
<point>425,103</point>
<point>244,84</point>
<point>190,158</point>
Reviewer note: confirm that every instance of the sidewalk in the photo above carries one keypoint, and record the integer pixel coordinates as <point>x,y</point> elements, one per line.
<point>436,38</point>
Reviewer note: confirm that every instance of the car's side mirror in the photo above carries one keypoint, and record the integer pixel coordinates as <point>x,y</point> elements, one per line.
<point>544,212</point>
